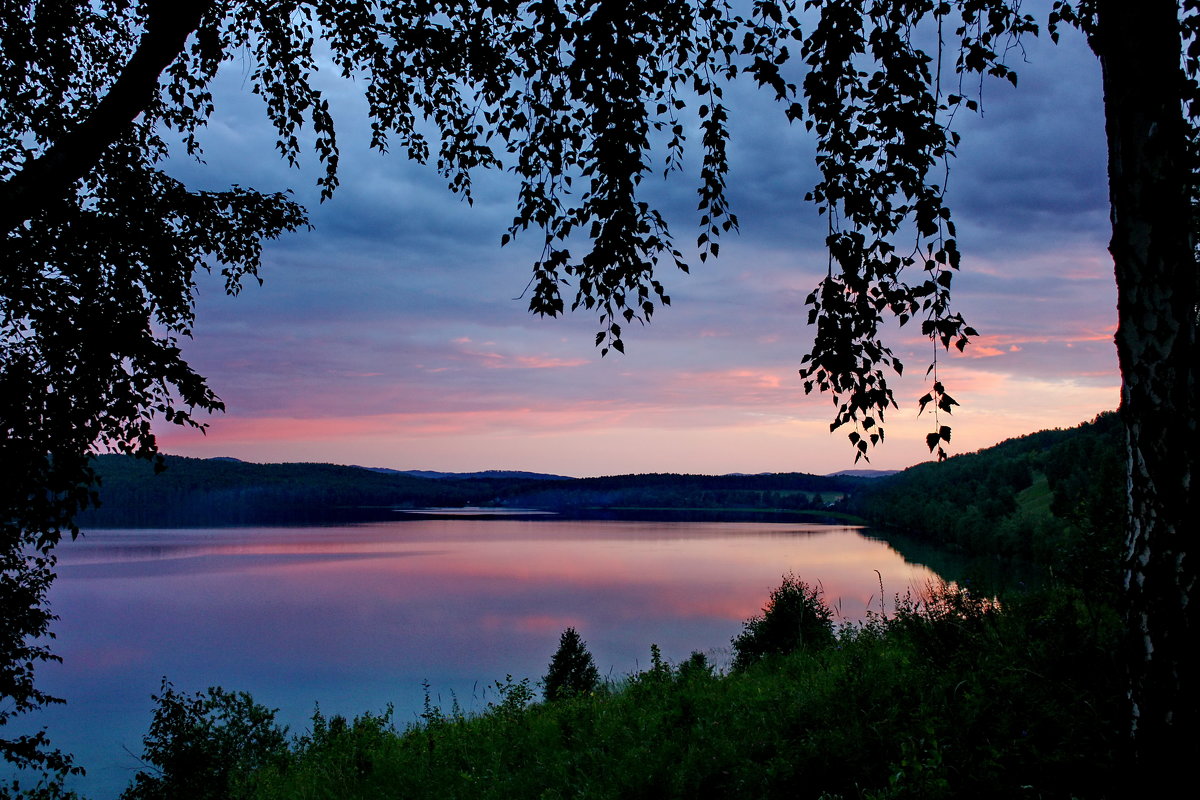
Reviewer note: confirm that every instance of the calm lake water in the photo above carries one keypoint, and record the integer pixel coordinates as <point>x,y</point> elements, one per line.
<point>359,616</point>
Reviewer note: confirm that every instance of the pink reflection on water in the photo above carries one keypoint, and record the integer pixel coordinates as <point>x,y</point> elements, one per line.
<point>723,570</point>
<point>355,617</point>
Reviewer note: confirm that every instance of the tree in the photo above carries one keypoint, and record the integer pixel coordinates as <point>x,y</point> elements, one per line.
<point>794,618</point>
<point>572,671</point>
<point>101,247</point>
<point>1151,101</point>
<point>198,745</point>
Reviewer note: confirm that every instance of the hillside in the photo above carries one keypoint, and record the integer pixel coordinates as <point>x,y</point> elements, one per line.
<point>785,492</point>
<point>222,491</point>
<point>219,491</point>
<point>1053,498</point>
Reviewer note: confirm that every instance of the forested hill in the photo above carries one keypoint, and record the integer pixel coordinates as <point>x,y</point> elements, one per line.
<point>1054,498</point>
<point>787,492</point>
<point>220,491</point>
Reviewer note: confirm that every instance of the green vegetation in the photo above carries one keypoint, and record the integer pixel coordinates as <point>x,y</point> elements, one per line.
<point>794,619</point>
<point>948,697</point>
<point>201,746</point>
<point>1053,499</point>
<point>957,693</point>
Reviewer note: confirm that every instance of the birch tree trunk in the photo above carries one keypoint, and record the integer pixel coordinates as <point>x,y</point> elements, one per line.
<point>1150,175</point>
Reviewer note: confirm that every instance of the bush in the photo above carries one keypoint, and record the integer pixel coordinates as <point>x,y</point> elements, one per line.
<point>199,746</point>
<point>572,671</point>
<point>794,618</point>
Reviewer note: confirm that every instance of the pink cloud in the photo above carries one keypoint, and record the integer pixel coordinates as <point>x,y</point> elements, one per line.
<point>498,360</point>
<point>544,362</point>
<point>983,351</point>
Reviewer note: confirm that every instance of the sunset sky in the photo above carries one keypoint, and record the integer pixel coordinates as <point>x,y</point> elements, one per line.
<point>393,334</point>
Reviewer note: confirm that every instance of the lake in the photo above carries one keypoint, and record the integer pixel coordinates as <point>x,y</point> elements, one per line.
<point>358,616</point>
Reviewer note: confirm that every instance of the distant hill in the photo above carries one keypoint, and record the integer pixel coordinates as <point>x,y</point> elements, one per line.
<point>224,491</point>
<point>489,473</point>
<point>865,473</point>
<point>785,492</point>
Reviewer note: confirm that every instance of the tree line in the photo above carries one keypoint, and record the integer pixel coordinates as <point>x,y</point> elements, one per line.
<point>200,492</point>
<point>1052,499</point>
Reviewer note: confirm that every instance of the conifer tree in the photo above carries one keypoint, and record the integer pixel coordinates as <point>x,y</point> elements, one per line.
<point>572,671</point>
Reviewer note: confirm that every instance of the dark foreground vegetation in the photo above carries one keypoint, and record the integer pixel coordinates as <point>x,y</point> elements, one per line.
<point>954,693</point>
<point>949,696</point>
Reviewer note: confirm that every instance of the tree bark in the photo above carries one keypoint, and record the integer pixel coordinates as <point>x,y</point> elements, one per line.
<point>49,176</point>
<point>1149,186</point>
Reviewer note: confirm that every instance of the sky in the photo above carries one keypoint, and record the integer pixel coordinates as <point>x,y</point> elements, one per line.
<point>394,334</point>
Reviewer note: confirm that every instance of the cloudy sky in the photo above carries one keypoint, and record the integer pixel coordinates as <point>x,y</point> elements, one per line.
<point>393,334</point>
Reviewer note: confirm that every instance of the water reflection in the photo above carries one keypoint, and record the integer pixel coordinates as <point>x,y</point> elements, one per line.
<point>358,616</point>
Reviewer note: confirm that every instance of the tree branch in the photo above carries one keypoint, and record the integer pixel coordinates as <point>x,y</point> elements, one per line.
<point>50,175</point>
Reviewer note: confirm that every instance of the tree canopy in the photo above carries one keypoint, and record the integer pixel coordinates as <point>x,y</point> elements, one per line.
<point>102,247</point>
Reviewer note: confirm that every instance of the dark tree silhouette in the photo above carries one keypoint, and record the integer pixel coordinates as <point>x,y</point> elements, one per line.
<point>572,671</point>
<point>794,618</point>
<point>101,248</point>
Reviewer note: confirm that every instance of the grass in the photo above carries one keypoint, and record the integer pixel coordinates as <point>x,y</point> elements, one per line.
<point>951,696</point>
<point>1035,499</point>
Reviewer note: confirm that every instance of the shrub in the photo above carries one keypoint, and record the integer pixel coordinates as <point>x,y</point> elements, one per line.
<point>696,665</point>
<point>199,746</point>
<point>572,671</point>
<point>794,618</point>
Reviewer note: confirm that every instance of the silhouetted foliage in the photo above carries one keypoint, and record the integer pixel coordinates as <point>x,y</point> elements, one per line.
<point>199,746</point>
<point>101,247</point>
<point>572,670</point>
<point>794,618</point>
<point>695,665</point>
<point>951,696</point>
